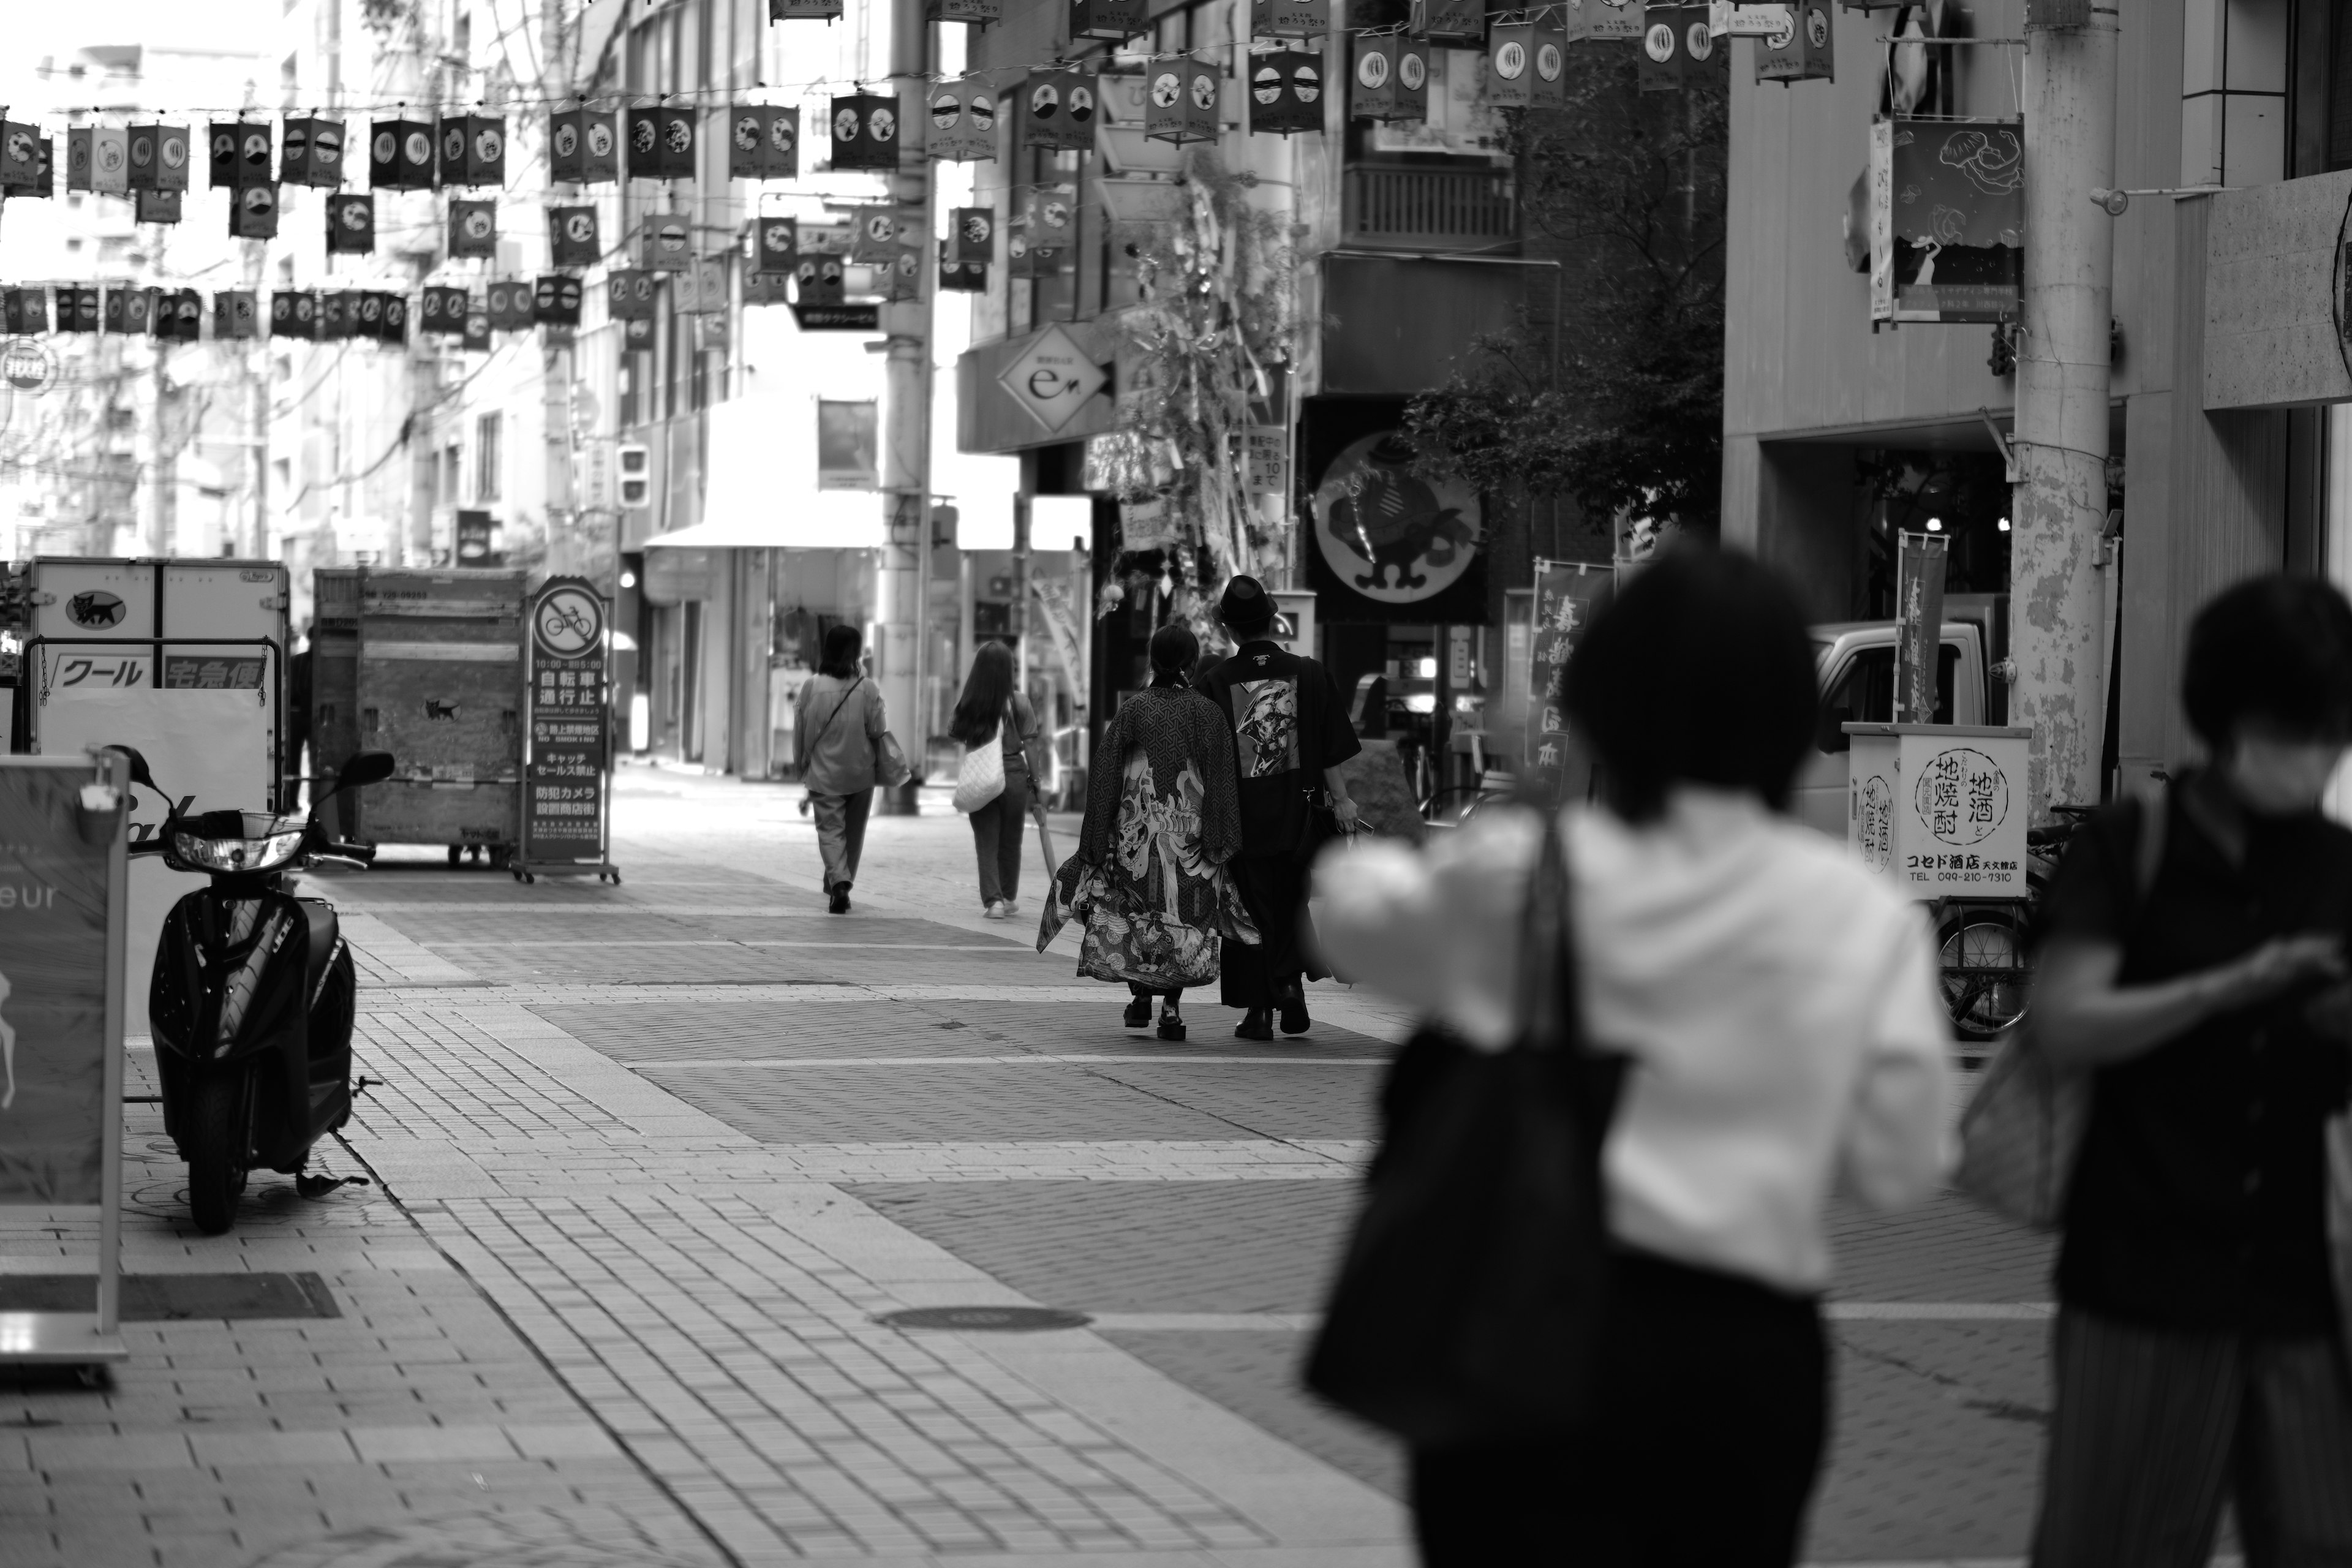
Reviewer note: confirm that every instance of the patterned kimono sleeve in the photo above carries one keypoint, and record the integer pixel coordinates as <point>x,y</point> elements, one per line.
<point>1101,823</point>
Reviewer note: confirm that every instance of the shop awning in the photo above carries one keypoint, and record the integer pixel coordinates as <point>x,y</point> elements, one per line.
<point>760,491</point>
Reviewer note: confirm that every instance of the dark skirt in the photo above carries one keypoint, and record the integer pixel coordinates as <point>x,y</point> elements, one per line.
<point>1709,1424</point>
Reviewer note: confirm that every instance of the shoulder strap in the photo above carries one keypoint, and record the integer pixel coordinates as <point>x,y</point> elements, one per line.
<point>2148,859</point>
<point>826,728</point>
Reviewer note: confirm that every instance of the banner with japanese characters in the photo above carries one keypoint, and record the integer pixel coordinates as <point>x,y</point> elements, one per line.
<point>1568,595</point>
<point>564,796</point>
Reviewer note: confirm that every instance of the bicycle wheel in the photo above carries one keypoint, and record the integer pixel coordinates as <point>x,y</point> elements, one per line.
<point>1451,807</point>
<point>1982,963</point>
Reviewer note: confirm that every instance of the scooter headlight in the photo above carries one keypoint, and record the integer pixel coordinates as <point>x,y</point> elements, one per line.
<point>237,854</point>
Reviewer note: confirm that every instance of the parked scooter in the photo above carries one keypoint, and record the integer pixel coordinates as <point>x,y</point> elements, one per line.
<point>253,995</point>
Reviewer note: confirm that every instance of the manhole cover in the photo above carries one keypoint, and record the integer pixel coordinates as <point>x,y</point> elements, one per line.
<point>170,1298</point>
<point>988,1319</point>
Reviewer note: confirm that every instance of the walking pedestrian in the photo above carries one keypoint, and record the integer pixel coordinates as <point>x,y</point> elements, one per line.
<point>1290,734</point>
<point>993,711</point>
<point>1148,876</point>
<point>836,718</point>
<point>2198,1349</point>
<point>1775,1004</point>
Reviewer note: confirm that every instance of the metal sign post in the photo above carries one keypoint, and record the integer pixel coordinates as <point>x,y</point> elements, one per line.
<point>63,875</point>
<point>568,768</point>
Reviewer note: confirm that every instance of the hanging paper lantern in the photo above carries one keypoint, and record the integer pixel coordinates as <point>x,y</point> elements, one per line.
<point>396,318</point>
<point>508,302</point>
<point>313,153</point>
<point>1037,239</point>
<point>666,243</point>
<point>253,144</point>
<point>293,315</point>
<point>1117,20</point>
<point>767,288</point>
<point>1289,18</point>
<point>645,144</point>
<point>482,160</point>
<point>1602,19</point>
<point>1181,104</point>
<point>140,145</point>
<point>1459,23</point>
<point>679,137</point>
<point>445,309</point>
<point>172,158</point>
<point>350,223</point>
<point>24,311</point>
<point>962,277</point>
<point>335,316</point>
<point>971,236</point>
<point>803,10</point>
<point>568,160</point>
<point>253,215</point>
<point>20,153</point>
<point>776,245</point>
<point>473,228</point>
<point>180,316</point>
<point>819,280</point>
<point>476,337</point>
<point>629,295</point>
<point>873,236</point>
<point>236,313</point>
<point>77,158</point>
<point>555,301</point>
<point>1676,43</point>
<point>573,240</point>
<point>155,206</point>
<point>1802,51</point>
<point>783,134</point>
<point>110,161</point>
<point>1058,110</point>
<point>221,145</point>
<point>864,132</point>
<point>1526,64</point>
<point>1285,91</point>
<point>77,310</point>
<point>42,180</point>
<point>400,155</point>
<point>1372,78</point>
<point>367,316</point>
<point>763,142</point>
<point>963,122</point>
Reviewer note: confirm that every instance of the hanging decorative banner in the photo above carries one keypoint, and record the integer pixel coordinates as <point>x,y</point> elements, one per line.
<point>1676,44</point>
<point>24,311</point>
<point>1948,220</point>
<point>975,13</point>
<point>396,318</point>
<point>180,316</point>
<point>450,150</point>
<point>782,134</point>
<point>803,10</point>
<point>1371,82</point>
<point>1116,20</point>
<point>1461,24</point>
<point>747,141</point>
<point>874,236</point>
<point>109,161</point>
<point>963,122</point>
<point>1526,63</point>
<point>254,214</point>
<point>1289,18</point>
<point>555,301</point>
<point>1058,110</point>
<point>367,316</point>
<point>573,240</point>
<point>972,236</point>
<point>1180,105</point>
<point>350,223</point>
<point>473,228</point>
<point>962,277</point>
<point>486,149</point>
<point>1604,20</point>
<point>819,280</point>
<point>445,309</point>
<point>400,155</point>
<point>776,245</point>
<point>172,158</point>
<point>476,338</point>
<point>864,132</point>
<point>316,158</point>
<point>221,144</point>
<point>77,310</point>
<point>707,286</point>
<point>293,315</point>
<point>334,316</point>
<point>508,302</point>
<point>667,242</point>
<point>77,158</point>
<point>629,295</point>
<point>1804,50</point>
<point>236,313</point>
<point>254,142</point>
<point>1038,240</point>
<point>1285,91</point>
<point>111,314</point>
<point>141,175</point>
<point>155,206</point>
<point>20,153</point>
<point>679,137</point>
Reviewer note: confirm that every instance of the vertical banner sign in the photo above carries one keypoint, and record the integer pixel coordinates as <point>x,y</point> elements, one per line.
<point>564,801</point>
<point>1954,221</point>
<point>1918,624</point>
<point>1568,595</point>
<point>1882,221</point>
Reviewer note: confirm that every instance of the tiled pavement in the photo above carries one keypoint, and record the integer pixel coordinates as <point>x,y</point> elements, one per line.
<point>647,1188</point>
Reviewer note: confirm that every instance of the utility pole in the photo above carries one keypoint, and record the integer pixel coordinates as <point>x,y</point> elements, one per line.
<point>902,594</point>
<point>2060,506</point>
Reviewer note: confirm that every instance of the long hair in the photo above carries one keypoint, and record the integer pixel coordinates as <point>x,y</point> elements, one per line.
<point>1173,649</point>
<point>986,690</point>
<point>843,643</point>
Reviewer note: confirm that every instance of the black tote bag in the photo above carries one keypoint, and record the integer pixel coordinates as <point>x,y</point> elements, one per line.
<point>1468,1304</point>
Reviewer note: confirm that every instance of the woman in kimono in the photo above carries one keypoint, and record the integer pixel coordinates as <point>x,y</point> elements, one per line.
<point>1148,882</point>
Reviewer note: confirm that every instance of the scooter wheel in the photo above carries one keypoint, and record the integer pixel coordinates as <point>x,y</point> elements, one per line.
<point>215,1144</point>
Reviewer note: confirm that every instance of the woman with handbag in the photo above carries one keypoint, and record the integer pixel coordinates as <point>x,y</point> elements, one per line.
<point>1773,1005</point>
<point>1149,880</point>
<point>838,725</point>
<point>2200,1351</point>
<point>995,721</point>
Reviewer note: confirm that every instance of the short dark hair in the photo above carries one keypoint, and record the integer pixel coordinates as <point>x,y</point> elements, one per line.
<point>1699,671</point>
<point>2275,649</point>
<point>843,642</point>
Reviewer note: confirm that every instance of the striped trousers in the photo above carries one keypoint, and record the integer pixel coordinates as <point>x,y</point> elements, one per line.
<point>2154,1427</point>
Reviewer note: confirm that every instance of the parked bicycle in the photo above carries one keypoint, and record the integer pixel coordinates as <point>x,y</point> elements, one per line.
<point>1985,944</point>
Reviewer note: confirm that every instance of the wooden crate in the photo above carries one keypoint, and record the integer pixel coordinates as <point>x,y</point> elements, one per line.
<point>439,686</point>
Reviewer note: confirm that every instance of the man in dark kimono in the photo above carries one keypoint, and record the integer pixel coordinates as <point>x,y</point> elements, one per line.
<point>1290,735</point>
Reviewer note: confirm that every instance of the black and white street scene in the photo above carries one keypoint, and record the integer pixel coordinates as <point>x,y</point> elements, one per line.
<point>1175,783</point>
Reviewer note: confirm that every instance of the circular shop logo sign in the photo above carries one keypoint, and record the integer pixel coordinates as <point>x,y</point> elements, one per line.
<point>1962,796</point>
<point>28,366</point>
<point>569,622</point>
<point>1387,532</point>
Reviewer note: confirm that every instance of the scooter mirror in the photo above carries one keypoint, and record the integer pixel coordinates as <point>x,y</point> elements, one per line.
<point>138,771</point>
<point>364,768</point>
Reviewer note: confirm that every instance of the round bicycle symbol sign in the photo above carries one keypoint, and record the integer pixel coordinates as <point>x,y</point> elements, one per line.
<point>569,622</point>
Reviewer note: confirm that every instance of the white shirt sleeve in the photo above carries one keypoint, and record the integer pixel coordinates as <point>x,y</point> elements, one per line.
<point>1899,1140</point>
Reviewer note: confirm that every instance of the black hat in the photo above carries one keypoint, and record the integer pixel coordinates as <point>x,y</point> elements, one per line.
<point>1245,604</point>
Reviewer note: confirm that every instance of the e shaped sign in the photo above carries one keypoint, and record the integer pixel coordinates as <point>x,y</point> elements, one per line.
<point>1053,378</point>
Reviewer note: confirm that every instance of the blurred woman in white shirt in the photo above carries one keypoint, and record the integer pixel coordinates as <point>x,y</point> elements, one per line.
<point>1777,1006</point>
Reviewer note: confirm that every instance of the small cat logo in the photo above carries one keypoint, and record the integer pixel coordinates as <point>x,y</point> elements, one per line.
<point>436,708</point>
<point>96,609</point>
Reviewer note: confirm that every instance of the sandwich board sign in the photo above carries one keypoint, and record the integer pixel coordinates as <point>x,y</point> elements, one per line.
<point>567,773</point>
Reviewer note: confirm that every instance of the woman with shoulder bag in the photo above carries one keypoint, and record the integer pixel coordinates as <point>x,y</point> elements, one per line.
<point>837,719</point>
<point>1775,1009</point>
<point>993,713</point>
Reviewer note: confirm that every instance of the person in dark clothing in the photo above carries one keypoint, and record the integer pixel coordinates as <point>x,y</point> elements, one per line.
<point>2198,1353</point>
<point>1290,735</point>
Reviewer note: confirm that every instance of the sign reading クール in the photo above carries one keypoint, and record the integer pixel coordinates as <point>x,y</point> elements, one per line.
<point>1053,378</point>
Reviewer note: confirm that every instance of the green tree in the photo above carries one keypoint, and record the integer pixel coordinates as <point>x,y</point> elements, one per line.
<point>1625,414</point>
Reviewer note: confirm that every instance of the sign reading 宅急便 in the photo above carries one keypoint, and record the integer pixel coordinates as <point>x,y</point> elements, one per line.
<point>1390,544</point>
<point>1940,808</point>
<point>563,792</point>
